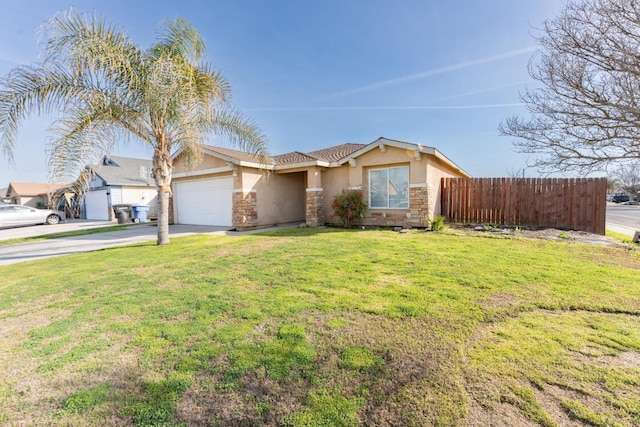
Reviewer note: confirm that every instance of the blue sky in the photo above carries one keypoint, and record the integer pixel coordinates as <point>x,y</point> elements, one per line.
<point>312,74</point>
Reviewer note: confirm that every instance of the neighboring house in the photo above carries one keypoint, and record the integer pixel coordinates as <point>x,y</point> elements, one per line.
<point>31,194</point>
<point>119,180</point>
<point>401,182</point>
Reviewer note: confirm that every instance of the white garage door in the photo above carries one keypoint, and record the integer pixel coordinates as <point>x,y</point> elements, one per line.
<point>204,202</point>
<point>97,205</point>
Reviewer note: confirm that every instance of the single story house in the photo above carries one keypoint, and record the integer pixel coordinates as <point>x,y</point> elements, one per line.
<point>232,188</point>
<point>120,180</point>
<point>31,193</point>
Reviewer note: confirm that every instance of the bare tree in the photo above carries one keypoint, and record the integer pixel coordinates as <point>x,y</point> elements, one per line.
<point>516,173</point>
<point>586,113</point>
<point>628,176</point>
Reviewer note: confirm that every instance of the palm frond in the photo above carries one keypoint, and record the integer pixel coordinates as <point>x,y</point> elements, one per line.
<point>177,38</point>
<point>210,86</point>
<point>88,42</point>
<point>240,131</point>
<point>27,90</point>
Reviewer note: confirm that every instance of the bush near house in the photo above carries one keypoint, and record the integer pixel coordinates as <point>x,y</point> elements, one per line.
<point>349,206</point>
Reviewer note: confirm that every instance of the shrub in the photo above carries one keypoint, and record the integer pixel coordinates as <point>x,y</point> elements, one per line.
<point>349,206</point>
<point>435,224</point>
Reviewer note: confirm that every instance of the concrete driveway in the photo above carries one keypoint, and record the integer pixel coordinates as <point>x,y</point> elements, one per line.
<point>90,242</point>
<point>44,229</point>
<point>22,252</point>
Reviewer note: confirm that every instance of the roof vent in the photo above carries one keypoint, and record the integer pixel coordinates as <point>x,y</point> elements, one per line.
<point>106,161</point>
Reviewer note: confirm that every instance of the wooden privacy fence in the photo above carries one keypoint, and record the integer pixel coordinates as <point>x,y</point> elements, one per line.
<point>573,203</point>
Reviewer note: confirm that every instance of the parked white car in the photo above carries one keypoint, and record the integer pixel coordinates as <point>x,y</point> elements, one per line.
<point>12,215</point>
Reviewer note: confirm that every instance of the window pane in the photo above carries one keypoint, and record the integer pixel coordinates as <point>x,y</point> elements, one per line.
<point>378,180</point>
<point>399,187</point>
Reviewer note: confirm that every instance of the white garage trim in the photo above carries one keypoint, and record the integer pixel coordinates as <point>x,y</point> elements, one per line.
<point>96,205</point>
<point>204,201</point>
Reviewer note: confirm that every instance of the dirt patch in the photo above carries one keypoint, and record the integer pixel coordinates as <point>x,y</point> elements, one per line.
<point>569,395</point>
<point>500,414</point>
<point>36,398</point>
<point>413,379</point>
<point>499,302</point>
<point>548,399</point>
<point>596,356</point>
<point>625,359</point>
<point>539,233</point>
<point>259,401</point>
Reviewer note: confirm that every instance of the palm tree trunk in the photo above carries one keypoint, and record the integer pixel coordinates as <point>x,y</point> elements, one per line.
<point>163,217</point>
<point>162,166</point>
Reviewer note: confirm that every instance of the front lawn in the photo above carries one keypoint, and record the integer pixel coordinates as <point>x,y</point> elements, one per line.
<point>306,327</point>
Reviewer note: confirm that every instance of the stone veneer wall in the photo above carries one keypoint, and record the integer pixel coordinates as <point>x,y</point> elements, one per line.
<point>419,210</point>
<point>314,215</point>
<point>420,205</point>
<point>245,209</point>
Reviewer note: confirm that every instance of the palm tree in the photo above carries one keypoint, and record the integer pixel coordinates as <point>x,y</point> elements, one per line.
<point>107,90</point>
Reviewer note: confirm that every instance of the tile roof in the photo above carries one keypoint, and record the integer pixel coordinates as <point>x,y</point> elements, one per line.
<point>236,154</point>
<point>338,152</point>
<point>33,188</point>
<point>331,154</point>
<point>293,158</point>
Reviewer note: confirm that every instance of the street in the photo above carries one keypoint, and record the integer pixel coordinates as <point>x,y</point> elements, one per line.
<point>623,219</point>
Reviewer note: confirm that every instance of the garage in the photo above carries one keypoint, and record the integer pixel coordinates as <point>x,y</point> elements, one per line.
<point>96,205</point>
<point>204,201</point>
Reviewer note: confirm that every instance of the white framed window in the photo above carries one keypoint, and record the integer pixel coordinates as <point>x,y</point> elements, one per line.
<point>389,188</point>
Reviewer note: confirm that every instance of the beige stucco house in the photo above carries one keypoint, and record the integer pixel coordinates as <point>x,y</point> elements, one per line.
<point>401,182</point>
<point>30,193</point>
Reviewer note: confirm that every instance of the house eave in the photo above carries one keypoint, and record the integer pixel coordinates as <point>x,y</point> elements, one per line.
<point>449,163</point>
<point>419,149</point>
<point>201,172</point>
<point>129,184</point>
<point>228,159</point>
<point>253,165</point>
<point>313,163</point>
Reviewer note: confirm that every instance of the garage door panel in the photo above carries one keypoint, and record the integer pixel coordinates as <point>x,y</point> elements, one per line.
<point>97,205</point>
<point>204,202</point>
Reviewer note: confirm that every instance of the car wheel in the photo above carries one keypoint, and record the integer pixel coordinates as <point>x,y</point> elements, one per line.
<point>136,220</point>
<point>53,219</point>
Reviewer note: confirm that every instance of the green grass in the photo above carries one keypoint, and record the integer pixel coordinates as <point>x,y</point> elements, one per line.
<point>307,327</point>
<point>622,238</point>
